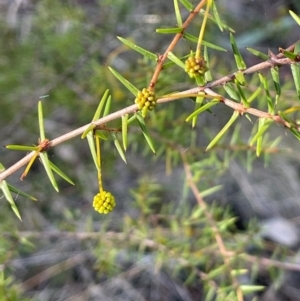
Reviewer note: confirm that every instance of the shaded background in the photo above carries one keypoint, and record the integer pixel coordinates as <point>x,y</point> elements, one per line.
<point>60,49</point>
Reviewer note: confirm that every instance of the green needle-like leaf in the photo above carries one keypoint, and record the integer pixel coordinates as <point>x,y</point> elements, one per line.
<point>41,121</point>
<point>47,166</point>
<point>139,49</point>
<point>275,142</point>
<point>198,104</point>
<point>242,94</point>
<point>107,107</point>
<point>200,80</point>
<point>297,47</point>
<point>202,109</point>
<point>290,55</point>
<point>210,191</point>
<point>207,74</point>
<point>177,13</point>
<point>60,173</point>
<point>134,90</point>
<point>248,289</point>
<point>124,130</point>
<point>276,80</point>
<point>5,189</point>
<point>91,142</point>
<point>204,43</point>
<point>296,75</point>
<point>171,64</point>
<point>257,53</point>
<point>292,110</point>
<point>231,92</point>
<point>230,122</point>
<point>100,106</point>
<point>101,135</point>
<point>103,102</point>
<point>20,192</point>
<point>132,118</point>
<point>22,147</point>
<point>295,17</point>
<point>214,20</point>
<point>295,132</point>
<point>187,4</point>
<point>239,272</point>
<point>217,16</point>
<point>284,116</point>
<point>175,60</point>
<point>263,125</point>
<point>271,104</point>
<point>211,294</point>
<point>118,147</point>
<point>170,30</point>
<point>216,272</point>
<point>89,129</point>
<point>142,125</point>
<point>254,95</point>
<point>239,76</point>
<point>237,55</point>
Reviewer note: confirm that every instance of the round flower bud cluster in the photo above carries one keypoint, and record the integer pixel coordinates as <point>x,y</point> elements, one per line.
<point>195,66</point>
<point>145,101</point>
<point>104,202</point>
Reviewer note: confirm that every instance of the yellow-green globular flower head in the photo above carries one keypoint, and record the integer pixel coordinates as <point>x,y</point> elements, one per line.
<point>145,101</point>
<point>104,202</point>
<point>195,66</point>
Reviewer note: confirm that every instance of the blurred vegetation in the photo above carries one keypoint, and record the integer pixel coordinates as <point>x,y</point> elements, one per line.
<point>158,244</point>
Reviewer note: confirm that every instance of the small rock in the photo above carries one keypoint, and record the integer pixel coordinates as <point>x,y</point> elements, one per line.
<point>281,231</point>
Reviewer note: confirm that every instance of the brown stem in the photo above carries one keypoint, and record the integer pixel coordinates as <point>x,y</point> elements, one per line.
<point>282,61</point>
<point>177,37</point>
<point>261,114</point>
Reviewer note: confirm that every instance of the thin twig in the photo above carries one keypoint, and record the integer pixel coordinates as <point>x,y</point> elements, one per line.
<point>109,235</point>
<point>212,223</point>
<point>52,271</point>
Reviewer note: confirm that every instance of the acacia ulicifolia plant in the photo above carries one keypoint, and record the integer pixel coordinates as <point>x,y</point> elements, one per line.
<point>197,65</point>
